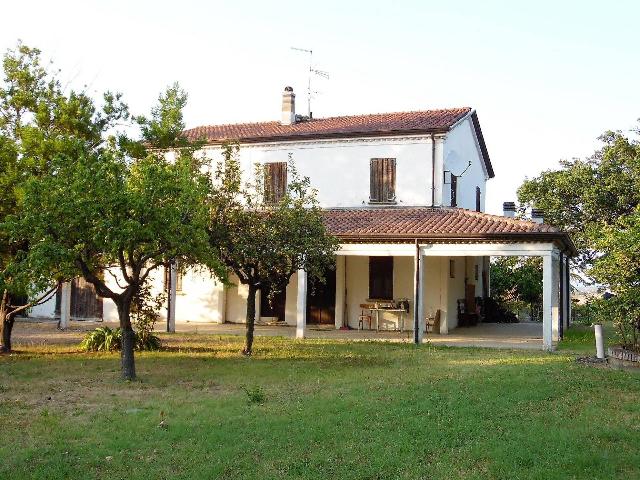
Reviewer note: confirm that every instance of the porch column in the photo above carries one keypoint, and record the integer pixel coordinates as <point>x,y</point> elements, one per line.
<point>567,286</point>
<point>171,307</point>
<point>418,298</point>
<point>550,310</point>
<point>65,305</point>
<point>561,309</point>
<point>340,288</point>
<point>301,310</point>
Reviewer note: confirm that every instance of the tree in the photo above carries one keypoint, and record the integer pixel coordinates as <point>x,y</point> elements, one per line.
<point>517,281</point>
<point>121,205</point>
<point>597,201</point>
<point>38,122</point>
<point>264,242</point>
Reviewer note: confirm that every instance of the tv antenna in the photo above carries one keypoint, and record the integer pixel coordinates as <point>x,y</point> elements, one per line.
<point>312,72</point>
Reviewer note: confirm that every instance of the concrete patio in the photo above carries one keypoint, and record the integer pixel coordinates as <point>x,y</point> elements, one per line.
<point>525,335</point>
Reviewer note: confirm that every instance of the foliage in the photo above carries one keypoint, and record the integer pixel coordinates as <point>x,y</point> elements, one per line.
<point>598,201</point>
<point>144,315</point>
<point>264,243</point>
<point>474,413</point>
<point>516,282</point>
<point>102,339</point>
<point>110,202</point>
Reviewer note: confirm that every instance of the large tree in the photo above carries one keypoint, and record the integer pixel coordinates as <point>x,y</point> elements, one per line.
<point>597,201</point>
<point>38,123</point>
<point>517,282</point>
<point>264,240</point>
<point>116,209</point>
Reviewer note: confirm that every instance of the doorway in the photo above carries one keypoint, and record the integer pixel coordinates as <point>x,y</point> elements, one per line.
<point>272,307</point>
<point>321,300</point>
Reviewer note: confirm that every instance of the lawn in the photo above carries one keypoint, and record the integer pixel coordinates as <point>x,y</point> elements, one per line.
<point>330,410</point>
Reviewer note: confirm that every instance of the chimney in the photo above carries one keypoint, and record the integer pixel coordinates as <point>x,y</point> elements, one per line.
<point>537,215</point>
<point>288,107</point>
<point>509,209</point>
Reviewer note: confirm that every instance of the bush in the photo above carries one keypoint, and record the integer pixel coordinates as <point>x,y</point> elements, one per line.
<point>102,339</point>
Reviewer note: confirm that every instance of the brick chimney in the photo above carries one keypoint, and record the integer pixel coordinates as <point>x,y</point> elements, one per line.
<point>537,215</point>
<point>509,209</point>
<point>288,107</point>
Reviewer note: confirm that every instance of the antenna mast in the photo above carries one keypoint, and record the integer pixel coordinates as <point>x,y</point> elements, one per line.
<point>312,71</point>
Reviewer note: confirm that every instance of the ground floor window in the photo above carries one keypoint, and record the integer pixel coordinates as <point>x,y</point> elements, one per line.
<point>381,278</point>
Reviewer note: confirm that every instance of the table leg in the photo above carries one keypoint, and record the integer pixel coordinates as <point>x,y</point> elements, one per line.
<point>377,320</point>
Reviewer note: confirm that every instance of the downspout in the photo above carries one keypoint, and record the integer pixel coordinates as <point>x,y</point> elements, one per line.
<point>433,170</point>
<point>416,296</point>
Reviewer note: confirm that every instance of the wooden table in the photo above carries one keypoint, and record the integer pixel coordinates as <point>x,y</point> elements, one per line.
<point>401,311</point>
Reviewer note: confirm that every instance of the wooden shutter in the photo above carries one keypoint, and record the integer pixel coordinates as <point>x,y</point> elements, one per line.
<point>381,278</point>
<point>275,181</point>
<point>477,199</point>
<point>454,191</point>
<point>382,180</point>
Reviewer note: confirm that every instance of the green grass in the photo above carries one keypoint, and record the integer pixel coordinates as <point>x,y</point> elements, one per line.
<point>317,409</point>
<point>581,339</point>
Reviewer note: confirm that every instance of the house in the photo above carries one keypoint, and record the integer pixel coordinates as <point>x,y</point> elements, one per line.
<point>405,194</point>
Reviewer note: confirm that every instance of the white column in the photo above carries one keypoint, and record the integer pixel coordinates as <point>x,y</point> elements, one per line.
<point>567,294</point>
<point>340,289</point>
<point>550,284</point>
<point>171,310</point>
<point>301,308</point>
<point>419,304</point>
<point>438,170</point>
<point>568,283</point>
<point>65,305</point>
<point>258,305</point>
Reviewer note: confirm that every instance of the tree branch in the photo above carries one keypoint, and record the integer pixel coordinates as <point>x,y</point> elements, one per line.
<point>101,288</point>
<point>38,301</point>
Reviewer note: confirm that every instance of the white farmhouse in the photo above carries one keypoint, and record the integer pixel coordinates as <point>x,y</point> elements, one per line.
<point>405,194</point>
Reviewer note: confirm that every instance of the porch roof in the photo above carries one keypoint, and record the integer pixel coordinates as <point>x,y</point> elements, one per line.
<point>437,225</point>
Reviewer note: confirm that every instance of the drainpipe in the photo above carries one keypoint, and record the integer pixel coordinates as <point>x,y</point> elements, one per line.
<point>416,297</point>
<point>433,170</point>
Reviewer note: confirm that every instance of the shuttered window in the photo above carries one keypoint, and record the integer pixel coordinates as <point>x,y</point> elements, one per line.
<point>275,181</point>
<point>382,180</point>
<point>167,280</point>
<point>381,278</point>
<point>454,191</point>
<point>478,199</point>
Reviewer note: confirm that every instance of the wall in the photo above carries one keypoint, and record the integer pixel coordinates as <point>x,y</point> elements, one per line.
<point>339,169</point>
<point>461,142</point>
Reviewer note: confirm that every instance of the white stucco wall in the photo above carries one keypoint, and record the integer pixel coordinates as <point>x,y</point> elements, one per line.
<point>461,142</point>
<point>339,169</point>
<point>44,310</point>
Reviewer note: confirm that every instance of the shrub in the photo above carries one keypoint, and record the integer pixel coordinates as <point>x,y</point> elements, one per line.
<point>102,339</point>
<point>255,395</point>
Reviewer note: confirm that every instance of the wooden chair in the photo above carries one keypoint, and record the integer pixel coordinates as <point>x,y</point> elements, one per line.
<point>433,324</point>
<point>363,317</point>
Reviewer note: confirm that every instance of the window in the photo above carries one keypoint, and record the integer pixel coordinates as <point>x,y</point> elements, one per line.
<point>381,278</point>
<point>452,268</point>
<point>275,181</point>
<point>478,199</point>
<point>454,190</point>
<point>167,271</point>
<point>382,180</point>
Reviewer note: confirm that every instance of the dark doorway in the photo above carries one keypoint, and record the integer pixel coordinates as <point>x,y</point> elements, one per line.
<point>272,307</point>
<point>84,301</point>
<point>321,300</point>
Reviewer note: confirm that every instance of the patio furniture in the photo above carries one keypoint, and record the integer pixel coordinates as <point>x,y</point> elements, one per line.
<point>432,324</point>
<point>363,317</point>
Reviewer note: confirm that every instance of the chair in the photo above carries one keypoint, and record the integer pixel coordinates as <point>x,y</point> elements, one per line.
<point>363,317</point>
<point>433,323</point>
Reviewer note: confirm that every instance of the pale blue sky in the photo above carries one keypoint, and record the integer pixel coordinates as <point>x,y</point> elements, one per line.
<point>545,77</point>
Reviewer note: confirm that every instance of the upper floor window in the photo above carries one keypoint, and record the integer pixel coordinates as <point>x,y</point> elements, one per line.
<point>382,180</point>
<point>478,199</point>
<point>381,278</point>
<point>275,181</point>
<point>454,190</point>
<point>167,278</point>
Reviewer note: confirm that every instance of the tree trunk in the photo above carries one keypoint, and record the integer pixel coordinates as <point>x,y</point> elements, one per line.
<point>251,319</point>
<point>6,323</point>
<point>128,364</point>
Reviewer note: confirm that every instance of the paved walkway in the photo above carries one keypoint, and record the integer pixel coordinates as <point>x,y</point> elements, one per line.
<point>525,335</point>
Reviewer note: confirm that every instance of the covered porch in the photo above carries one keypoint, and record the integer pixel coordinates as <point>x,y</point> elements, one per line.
<point>434,274</point>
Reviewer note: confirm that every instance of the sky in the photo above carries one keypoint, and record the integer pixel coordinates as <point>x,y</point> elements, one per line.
<point>546,77</point>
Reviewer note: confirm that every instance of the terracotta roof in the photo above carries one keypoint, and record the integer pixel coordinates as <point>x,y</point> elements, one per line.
<point>436,223</point>
<point>354,125</point>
